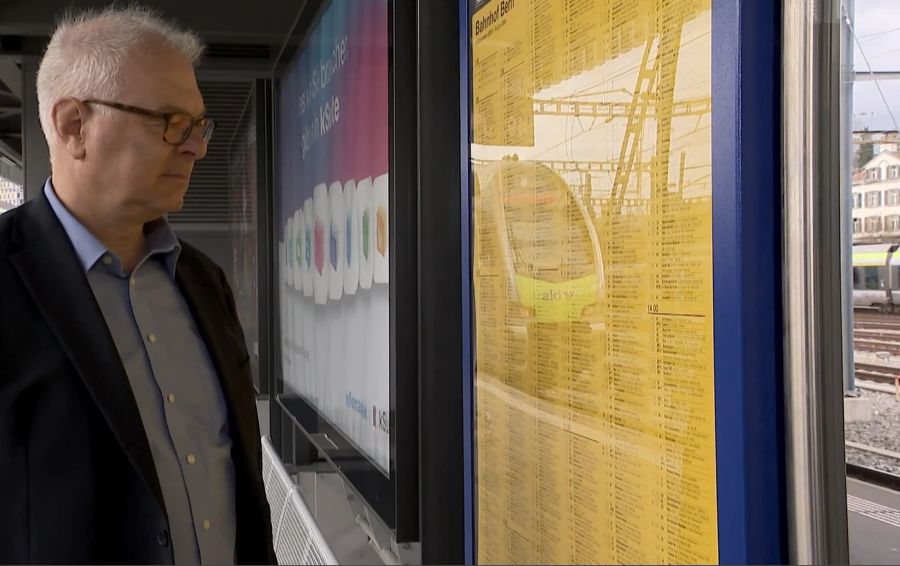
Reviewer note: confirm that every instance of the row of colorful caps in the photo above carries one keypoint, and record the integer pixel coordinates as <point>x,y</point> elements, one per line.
<point>338,241</point>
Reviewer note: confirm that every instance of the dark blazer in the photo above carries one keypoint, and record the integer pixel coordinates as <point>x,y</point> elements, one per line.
<point>77,479</point>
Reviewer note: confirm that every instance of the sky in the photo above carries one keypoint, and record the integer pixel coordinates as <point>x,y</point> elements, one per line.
<point>877,27</point>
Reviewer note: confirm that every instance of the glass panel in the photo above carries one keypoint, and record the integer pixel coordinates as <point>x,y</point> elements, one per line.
<point>871,407</point>
<point>243,181</point>
<point>592,250</point>
<point>872,278</point>
<point>332,217</point>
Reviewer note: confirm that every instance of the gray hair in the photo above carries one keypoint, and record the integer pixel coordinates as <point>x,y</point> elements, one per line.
<point>86,53</point>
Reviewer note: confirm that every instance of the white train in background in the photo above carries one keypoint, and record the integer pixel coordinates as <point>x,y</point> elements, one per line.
<point>876,277</point>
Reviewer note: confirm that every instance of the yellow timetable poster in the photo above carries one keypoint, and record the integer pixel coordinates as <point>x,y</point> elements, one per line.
<point>502,78</point>
<point>595,416</point>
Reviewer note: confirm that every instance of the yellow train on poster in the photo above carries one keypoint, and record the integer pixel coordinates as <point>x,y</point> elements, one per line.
<point>537,235</point>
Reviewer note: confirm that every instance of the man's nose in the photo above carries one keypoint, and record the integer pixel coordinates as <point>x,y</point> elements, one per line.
<point>194,146</point>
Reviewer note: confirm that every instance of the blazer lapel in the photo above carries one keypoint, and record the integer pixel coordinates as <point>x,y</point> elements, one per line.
<point>50,269</point>
<point>208,314</point>
<point>203,295</point>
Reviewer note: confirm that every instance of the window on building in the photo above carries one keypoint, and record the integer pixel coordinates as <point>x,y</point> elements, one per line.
<point>857,200</point>
<point>892,197</point>
<point>893,172</point>
<point>11,194</point>
<point>892,223</point>
<point>857,225</point>
<point>873,199</point>
<point>873,224</point>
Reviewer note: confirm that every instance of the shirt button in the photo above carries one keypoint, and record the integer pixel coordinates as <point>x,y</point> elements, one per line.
<point>191,459</point>
<point>206,525</point>
<point>152,338</point>
<point>107,260</point>
<point>170,397</point>
<point>162,537</point>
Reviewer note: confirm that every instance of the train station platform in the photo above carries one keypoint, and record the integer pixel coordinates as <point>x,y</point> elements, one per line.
<point>874,523</point>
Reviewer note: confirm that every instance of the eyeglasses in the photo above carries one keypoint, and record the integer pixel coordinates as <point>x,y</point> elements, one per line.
<point>179,125</point>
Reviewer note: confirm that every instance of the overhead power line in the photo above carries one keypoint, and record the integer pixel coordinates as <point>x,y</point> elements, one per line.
<point>869,65</point>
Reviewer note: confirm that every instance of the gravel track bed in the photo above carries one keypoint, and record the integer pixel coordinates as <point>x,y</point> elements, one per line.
<point>882,432</point>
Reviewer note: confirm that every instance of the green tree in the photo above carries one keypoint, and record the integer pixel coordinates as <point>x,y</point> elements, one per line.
<point>865,153</point>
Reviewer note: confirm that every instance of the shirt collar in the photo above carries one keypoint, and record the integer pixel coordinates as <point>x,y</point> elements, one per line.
<point>161,240</point>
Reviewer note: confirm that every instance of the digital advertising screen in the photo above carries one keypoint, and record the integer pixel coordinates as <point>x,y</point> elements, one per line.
<point>332,218</point>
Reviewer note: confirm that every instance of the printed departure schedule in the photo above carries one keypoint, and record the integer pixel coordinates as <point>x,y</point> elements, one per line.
<point>593,295</point>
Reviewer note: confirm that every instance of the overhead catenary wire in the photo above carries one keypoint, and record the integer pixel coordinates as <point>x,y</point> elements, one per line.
<point>887,106</point>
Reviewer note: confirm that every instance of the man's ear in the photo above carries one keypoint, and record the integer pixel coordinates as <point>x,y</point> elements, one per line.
<point>68,121</point>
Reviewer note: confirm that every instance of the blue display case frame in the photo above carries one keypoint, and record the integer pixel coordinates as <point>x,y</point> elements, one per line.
<point>747,279</point>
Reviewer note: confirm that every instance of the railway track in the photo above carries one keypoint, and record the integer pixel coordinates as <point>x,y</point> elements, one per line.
<point>875,321</point>
<point>877,372</point>
<point>876,332</point>
<point>872,475</point>
<point>889,334</point>
<point>871,314</point>
<point>876,345</point>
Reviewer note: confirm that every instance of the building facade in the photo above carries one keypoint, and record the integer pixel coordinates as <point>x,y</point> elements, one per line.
<point>876,200</point>
<point>11,194</point>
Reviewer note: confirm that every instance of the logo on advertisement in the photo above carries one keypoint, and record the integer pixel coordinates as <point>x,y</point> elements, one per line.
<point>381,419</point>
<point>355,405</point>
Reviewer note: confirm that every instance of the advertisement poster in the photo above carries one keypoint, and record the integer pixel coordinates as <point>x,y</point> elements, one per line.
<point>333,210</point>
<point>592,265</point>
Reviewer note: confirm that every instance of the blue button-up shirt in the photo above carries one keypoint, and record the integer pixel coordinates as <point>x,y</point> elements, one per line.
<point>174,382</point>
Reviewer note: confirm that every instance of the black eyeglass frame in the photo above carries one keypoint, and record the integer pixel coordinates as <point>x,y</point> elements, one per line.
<point>207,124</point>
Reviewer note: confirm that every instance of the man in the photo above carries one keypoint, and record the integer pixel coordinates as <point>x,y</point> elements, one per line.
<point>128,426</point>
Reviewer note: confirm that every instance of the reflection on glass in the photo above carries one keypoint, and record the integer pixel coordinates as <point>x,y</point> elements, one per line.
<point>333,140</point>
<point>592,233</point>
<point>243,230</point>
<point>872,187</point>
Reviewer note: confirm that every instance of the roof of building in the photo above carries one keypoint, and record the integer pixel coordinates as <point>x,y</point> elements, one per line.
<point>893,155</point>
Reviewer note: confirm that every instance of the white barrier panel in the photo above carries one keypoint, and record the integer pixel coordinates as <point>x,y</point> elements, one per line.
<point>296,536</point>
